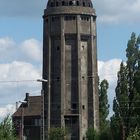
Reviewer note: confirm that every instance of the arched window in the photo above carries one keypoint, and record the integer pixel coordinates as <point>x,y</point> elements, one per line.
<point>84,4</point>
<point>89,5</point>
<point>70,3</point>
<point>52,4</point>
<point>77,3</point>
<point>63,3</point>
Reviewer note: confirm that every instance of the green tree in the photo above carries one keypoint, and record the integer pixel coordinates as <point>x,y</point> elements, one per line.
<point>126,105</point>
<point>134,135</point>
<point>91,134</point>
<point>6,129</point>
<point>120,104</point>
<point>132,54</point>
<point>57,133</point>
<point>104,111</point>
<point>103,104</point>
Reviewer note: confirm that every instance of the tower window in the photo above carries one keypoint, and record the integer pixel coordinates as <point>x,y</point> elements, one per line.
<point>58,48</point>
<point>46,20</point>
<point>52,4</point>
<point>77,3</point>
<point>58,78</point>
<point>52,18</point>
<point>70,3</point>
<point>63,3</point>
<point>74,17</point>
<point>74,106</point>
<point>84,4</point>
<point>89,5</point>
<point>83,106</point>
<point>57,4</point>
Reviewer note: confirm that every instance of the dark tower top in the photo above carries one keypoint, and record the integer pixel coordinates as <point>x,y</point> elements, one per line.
<point>69,7</point>
<point>57,3</point>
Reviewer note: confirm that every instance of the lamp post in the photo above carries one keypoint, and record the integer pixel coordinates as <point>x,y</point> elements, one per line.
<point>22,118</point>
<point>42,94</point>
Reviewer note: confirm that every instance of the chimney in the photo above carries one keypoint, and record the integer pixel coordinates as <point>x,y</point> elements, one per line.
<point>16,105</point>
<point>27,98</point>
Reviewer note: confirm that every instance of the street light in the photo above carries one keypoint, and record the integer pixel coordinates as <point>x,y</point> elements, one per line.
<point>42,80</point>
<point>22,118</point>
<point>42,94</point>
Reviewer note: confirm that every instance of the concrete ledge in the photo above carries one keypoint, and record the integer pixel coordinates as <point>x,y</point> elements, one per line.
<point>69,10</point>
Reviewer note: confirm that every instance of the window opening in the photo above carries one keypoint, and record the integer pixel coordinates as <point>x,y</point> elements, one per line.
<point>77,3</point>
<point>84,4</point>
<point>83,77</point>
<point>52,18</point>
<point>74,106</point>
<point>46,20</point>
<point>83,47</point>
<point>57,4</point>
<point>89,5</point>
<point>70,3</point>
<point>58,48</point>
<point>83,106</point>
<point>74,17</point>
<point>58,78</point>
<point>63,3</point>
<point>52,4</point>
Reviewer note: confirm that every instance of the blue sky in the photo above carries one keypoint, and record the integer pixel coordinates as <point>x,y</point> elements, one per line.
<point>21,44</point>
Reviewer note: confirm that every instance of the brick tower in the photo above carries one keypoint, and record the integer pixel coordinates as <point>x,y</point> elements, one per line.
<point>70,66</point>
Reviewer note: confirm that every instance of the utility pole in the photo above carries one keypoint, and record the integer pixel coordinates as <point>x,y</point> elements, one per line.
<point>22,118</point>
<point>42,95</point>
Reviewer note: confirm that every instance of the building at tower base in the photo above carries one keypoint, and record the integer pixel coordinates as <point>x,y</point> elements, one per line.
<point>70,66</point>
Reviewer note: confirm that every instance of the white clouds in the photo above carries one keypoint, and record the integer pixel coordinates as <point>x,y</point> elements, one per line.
<point>8,109</point>
<point>118,11</point>
<point>108,70</point>
<point>29,50</point>
<point>16,65</point>
<point>17,71</point>
<point>32,49</point>
<point>6,43</point>
<point>6,46</point>
<point>17,78</point>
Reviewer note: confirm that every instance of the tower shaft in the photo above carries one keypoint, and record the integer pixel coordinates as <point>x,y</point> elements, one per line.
<point>70,66</point>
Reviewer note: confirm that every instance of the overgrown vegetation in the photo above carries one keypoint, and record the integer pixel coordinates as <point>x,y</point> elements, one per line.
<point>92,134</point>
<point>6,130</point>
<point>57,133</point>
<point>126,105</point>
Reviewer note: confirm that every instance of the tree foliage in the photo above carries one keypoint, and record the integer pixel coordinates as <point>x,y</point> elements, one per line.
<point>126,105</point>
<point>57,133</point>
<point>104,111</point>
<point>6,130</point>
<point>91,134</point>
<point>103,104</point>
<point>134,135</point>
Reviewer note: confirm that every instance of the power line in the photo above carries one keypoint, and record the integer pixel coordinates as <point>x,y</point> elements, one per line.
<point>32,80</point>
<point>14,81</point>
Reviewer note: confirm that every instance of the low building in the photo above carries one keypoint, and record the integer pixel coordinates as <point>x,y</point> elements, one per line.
<point>27,118</point>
